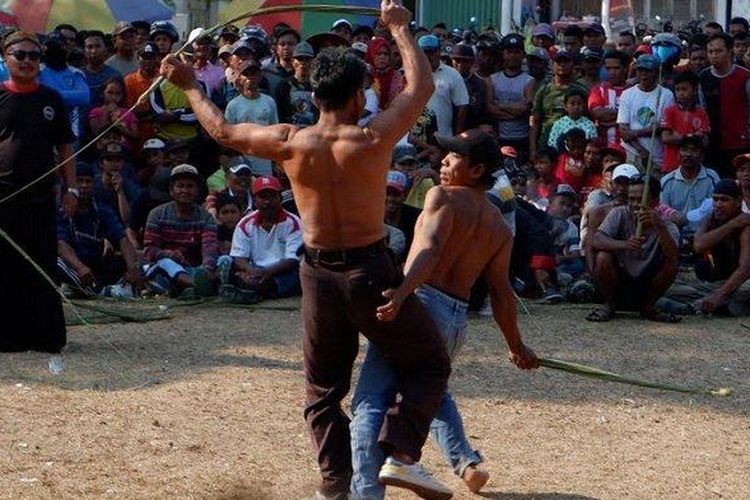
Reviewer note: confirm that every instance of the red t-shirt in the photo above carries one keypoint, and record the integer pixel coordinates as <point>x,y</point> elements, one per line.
<point>570,171</point>
<point>683,122</point>
<point>603,95</point>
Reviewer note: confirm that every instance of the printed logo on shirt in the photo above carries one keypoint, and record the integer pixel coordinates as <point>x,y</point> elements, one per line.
<point>49,113</point>
<point>645,116</point>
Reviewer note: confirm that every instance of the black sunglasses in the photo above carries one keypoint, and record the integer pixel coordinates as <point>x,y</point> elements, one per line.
<point>21,55</point>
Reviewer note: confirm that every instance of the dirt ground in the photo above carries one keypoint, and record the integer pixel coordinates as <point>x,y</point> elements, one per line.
<point>208,404</point>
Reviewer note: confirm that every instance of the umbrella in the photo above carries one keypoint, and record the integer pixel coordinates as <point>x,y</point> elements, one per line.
<point>44,15</point>
<point>309,23</point>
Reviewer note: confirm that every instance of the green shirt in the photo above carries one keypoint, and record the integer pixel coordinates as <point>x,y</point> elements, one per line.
<point>217,181</point>
<point>549,104</point>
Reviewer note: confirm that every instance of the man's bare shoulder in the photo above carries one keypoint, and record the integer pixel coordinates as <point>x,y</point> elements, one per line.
<point>303,140</point>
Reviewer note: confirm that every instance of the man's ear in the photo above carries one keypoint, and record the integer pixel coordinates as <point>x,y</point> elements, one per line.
<point>477,171</point>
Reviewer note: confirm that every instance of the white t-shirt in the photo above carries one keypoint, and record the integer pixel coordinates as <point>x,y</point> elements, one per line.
<point>371,107</point>
<point>637,112</point>
<point>261,111</point>
<point>266,248</point>
<point>450,91</point>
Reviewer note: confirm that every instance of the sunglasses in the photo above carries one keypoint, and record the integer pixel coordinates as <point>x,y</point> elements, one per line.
<point>21,55</point>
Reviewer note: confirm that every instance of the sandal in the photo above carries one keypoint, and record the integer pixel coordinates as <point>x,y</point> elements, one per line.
<point>601,315</point>
<point>660,316</point>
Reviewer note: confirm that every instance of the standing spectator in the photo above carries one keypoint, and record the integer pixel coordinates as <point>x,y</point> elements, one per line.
<point>633,273</point>
<point>604,98</point>
<point>538,63</point>
<point>738,25</point>
<point>124,60</point>
<point>450,100</point>
<point>594,36</point>
<point>172,113</point>
<point>479,89</point>
<point>95,71</point>
<point>592,68</point>
<point>137,83</point>
<point>572,40</point>
<point>698,59</point>
<point>180,239</point>
<point>362,34</point>
<point>69,82</point>
<point>543,36</point>
<point>142,29</point>
<point>741,42</point>
<point>265,245</point>
<point>296,104</point>
<point>549,101</point>
<point>386,81</point>
<point>206,71</point>
<point>638,113</point>
<point>343,28</point>
<point>575,107</point>
<point>626,42</point>
<point>164,35</point>
<point>511,98</point>
<point>725,89</point>
<point>683,118</point>
<point>34,125</point>
<point>281,64</point>
<point>397,214</point>
<point>712,28</point>
<point>251,106</point>
<point>488,56</point>
<point>685,188</point>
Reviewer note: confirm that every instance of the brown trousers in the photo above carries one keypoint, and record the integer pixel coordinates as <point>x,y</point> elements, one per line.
<point>339,298</point>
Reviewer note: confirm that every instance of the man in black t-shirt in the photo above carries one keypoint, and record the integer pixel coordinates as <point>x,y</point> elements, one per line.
<point>478,87</point>
<point>33,125</point>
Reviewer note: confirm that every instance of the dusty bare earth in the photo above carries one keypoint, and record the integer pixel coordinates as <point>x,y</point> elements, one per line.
<point>208,405</point>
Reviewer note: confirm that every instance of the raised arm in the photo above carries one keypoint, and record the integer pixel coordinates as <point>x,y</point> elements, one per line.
<point>270,142</point>
<point>393,123</point>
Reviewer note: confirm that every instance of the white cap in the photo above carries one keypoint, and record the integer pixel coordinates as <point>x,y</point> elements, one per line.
<point>360,47</point>
<point>625,170</point>
<point>341,21</point>
<point>241,167</point>
<point>154,144</point>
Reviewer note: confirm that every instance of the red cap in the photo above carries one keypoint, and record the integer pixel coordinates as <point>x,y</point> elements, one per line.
<point>740,159</point>
<point>509,151</point>
<point>263,183</point>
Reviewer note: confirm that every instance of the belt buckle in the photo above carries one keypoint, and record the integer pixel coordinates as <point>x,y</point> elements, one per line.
<point>339,260</point>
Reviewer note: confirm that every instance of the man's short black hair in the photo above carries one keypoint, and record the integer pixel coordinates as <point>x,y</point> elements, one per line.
<point>628,34</point>
<point>741,21</point>
<point>619,55</point>
<point>72,28</point>
<point>728,40</point>
<point>686,77</point>
<point>575,92</point>
<point>698,40</point>
<point>575,134</point>
<point>94,34</point>
<point>573,30</point>
<point>654,185</point>
<point>337,75</point>
<point>713,25</point>
<point>546,152</point>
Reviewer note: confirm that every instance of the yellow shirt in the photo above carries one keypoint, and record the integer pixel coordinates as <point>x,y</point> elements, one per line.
<point>418,193</point>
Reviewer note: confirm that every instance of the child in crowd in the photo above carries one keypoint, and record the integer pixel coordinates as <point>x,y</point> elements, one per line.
<point>545,160</point>
<point>228,215</point>
<point>575,107</point>
<point>567,243</point>
<point>570,166</point>
<point>592,164</point>
<point>684,117</point>
<point>105,115</point>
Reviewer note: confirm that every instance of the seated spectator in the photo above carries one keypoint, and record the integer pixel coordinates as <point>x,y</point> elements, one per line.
<point>686,188</point>
<point>397,214</point>
<point>683,118</point>
<point>265,247</point>
<point>178,152</point>
<point>112,110</point>
<point>633,273</point>
<point>82,262</point>
<point>238,187</point>
<point>228,214</point>
<point>545,161</point>
<point>570,168</point>
<point>180,240</point>
<point>111,187</point>
<point>227,158</point>
<point>566,243</point>
<point>723,238</point>
<point>251,106</point>
<point>155,194</point>
<point>154,156</point>
<point>575,109</point>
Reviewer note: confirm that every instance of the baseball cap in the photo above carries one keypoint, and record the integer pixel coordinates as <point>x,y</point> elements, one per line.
<point>184,171</point>
<point>563,54</point>
<point>363,29</point>
<point>122,27</point>
<point>429,42</point>
<point>225,49</point>
<point>396,180</point>
<point>478,145</point>
<point>595,28</point>
<point>538,52</point>
<point>403,154</point>
<point>264,183</point>
<point>248,64</point>
<point>149,49</point>
<point>543,29</point>
<point>241,169</point>
<point>112,150</point>
<point>566,189</point>
<point>592,53</point>
<point>154,143</point>
<point>342,23</point>
<point>462,51</point>
<point>304,49</point>
<point>287,30</point>
<point>323,40</point>
<point>625,170</point>
<point>512,41</point>
<point>360,47</point>
<point>56,38</point>
<point>647,62</point>
<point>242,44</point>
<point>740,159</point>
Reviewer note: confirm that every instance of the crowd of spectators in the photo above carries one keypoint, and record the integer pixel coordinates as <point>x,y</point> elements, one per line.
<point>580,119</point>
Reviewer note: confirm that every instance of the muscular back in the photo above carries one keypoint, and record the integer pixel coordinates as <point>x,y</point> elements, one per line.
<point>477,232</point>
<point>338,176</point>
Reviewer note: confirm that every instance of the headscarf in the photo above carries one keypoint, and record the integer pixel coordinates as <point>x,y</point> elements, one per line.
<point>386,82</point>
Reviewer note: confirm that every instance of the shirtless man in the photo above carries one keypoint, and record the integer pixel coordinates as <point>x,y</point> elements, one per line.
<point>338,176</point>
<point>459,236</point>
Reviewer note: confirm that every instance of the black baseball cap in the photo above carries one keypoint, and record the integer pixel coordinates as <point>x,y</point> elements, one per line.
<point>512,41</point>
<point>479,145</point>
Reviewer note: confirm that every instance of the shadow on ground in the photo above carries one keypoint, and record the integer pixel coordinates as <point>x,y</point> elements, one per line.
<point>503,495</point>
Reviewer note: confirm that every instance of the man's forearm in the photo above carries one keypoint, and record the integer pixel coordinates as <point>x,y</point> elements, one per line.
<point>420,269</point>
<point>708,240</point>
<point>128,253</point>
<point>68,169</point>
<point>210,117</point>
<point>281,267</point>
<point>668,245</point>
<point>738,277</point>
<point>67,254</point>
<point>506,316</point>
<point>604,243</point>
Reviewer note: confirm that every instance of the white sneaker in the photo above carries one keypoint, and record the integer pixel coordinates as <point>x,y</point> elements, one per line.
<point>413,477</point>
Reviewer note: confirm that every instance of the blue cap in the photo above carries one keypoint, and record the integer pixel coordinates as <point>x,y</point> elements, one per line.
<point>242,44</point>
<point>647,61</point>
<point>429,42</point>
<point>591,53</point>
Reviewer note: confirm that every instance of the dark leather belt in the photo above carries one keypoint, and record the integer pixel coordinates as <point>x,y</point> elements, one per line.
<point>350,256</point>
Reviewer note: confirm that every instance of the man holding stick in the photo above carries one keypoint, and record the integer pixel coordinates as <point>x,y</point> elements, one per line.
<point>346,266</point>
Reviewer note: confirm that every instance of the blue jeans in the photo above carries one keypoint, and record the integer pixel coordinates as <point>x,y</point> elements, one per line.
<point>376,389</point>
